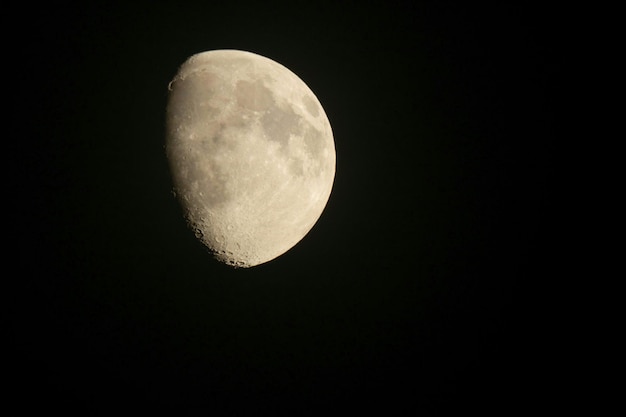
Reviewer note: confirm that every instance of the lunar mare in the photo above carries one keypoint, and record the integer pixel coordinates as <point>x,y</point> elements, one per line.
<point>251,154</point>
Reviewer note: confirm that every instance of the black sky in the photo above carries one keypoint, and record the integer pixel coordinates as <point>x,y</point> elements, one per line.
<point>424,287</point>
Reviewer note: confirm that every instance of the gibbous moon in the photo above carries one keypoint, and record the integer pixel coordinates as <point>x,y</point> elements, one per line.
<point>251,154</point>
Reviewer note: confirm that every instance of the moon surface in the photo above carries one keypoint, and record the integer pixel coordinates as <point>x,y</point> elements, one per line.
<point>251,154</point>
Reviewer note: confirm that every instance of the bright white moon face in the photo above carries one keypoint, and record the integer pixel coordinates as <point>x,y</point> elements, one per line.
<point>251,153</point>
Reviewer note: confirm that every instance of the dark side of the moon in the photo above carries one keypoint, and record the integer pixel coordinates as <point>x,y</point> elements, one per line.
<point>398,225</point>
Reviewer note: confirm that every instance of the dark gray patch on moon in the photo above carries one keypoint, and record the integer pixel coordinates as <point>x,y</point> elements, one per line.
<point>193,91</point>
<point>220,139</point>
<point>279,123</point>
<point>253,96</point>
<point>313,140</point>
<point>311,106</point>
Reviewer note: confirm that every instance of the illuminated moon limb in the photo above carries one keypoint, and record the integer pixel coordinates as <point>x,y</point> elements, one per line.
<point>251,153</point>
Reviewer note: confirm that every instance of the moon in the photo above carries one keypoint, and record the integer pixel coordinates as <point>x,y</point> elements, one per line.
<point>251,154</point>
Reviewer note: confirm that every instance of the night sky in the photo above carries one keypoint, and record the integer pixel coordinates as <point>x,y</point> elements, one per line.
<point>423,288</point>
